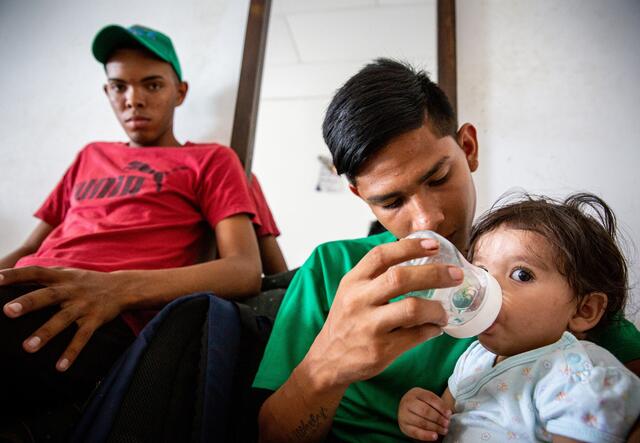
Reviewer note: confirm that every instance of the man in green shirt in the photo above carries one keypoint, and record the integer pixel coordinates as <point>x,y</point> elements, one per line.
<point>340,355</point>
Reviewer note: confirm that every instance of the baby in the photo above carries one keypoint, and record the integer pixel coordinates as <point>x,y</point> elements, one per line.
<point>530,376</point>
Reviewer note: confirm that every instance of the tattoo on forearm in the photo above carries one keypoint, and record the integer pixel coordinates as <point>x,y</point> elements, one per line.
<point>308,428</point>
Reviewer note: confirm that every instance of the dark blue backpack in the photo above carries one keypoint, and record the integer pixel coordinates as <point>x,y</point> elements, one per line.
<point>187,377</point>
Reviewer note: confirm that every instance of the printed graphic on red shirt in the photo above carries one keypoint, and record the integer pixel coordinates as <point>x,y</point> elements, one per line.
<point>121,185</point>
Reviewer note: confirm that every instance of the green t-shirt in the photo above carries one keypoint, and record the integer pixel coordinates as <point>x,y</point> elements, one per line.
<point>368,410</point>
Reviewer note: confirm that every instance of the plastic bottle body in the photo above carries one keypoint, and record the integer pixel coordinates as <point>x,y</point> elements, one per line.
<point>471,306</point>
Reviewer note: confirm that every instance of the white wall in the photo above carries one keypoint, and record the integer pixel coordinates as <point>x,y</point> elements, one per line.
<point>51,86</point>
<point>553,90</point>
<point>312,48</point>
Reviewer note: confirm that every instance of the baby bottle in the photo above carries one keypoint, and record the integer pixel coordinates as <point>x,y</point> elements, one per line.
<point>473,305</point>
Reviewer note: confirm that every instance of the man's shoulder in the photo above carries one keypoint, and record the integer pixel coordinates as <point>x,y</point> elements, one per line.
<point>346,253</point>
<point>355,246</point>
<point>210,149</point>
<point>620,337</point>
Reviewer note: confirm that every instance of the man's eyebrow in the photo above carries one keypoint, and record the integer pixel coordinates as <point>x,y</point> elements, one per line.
<point>433,170</point>
<point>152,77</point>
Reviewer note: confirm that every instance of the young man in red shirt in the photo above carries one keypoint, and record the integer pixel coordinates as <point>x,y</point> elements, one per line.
<point>123,234</point>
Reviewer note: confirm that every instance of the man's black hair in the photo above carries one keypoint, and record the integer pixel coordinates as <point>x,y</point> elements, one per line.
<point>383,100</point>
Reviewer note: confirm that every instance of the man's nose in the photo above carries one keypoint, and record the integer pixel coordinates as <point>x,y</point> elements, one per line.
<point>134,98</point>
<point>427,214</point>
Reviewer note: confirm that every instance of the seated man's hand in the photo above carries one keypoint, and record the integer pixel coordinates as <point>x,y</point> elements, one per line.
<point>364,333</point>
<point>84,297</point>
<point>422,415</point>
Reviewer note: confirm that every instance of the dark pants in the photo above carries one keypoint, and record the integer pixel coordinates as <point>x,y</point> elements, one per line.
<point>32,392</point>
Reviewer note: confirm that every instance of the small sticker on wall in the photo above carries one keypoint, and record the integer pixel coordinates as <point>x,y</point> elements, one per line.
<point>328,179</point>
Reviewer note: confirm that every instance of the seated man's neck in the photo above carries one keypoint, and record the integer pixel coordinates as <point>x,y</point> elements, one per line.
<point>167,140</point>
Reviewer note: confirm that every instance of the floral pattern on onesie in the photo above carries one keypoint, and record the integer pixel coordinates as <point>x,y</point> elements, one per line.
<point>571,388</point>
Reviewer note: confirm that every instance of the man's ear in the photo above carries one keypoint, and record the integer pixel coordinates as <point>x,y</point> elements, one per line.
<point>183,87</point>
<point>106,90</point>
<point>354,190</point>
<point>468,141</point>
<point>588,313</point>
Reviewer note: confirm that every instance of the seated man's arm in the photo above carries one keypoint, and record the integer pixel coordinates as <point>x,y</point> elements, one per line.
<point>235,274</point>
<point>273,261</point>
<point>91,299</point>
<point>31,245</point>
<point>363,333</point>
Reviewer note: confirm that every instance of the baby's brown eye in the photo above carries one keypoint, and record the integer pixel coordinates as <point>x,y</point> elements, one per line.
<point>521,275</point>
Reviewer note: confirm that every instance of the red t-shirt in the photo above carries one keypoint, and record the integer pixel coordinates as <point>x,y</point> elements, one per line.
<point>119,208</point>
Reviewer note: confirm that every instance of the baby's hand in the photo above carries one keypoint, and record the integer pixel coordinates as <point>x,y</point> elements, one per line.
<point>423,415</point>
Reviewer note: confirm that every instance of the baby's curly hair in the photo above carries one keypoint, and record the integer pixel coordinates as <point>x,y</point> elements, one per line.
<point>582,231</point>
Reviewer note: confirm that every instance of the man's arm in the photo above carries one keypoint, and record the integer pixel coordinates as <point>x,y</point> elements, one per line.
<point>31,245</point>
<point>91,299</point>
<point>273,261</point>
<point>362,335</point>
<point>235,274</point>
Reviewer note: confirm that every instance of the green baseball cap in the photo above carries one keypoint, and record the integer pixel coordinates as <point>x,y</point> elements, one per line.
<point>113,37</point>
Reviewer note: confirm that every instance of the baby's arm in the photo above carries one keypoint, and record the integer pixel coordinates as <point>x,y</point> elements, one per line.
<point>422,415</point>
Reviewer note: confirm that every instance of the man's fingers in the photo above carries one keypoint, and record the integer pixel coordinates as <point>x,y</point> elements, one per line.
<point>382,257</point>
<point>55,325</point>
<point>29,274</point>
<point>404,339</point>
<point>80,340</point>
<point>32,301</point>
<point>401,280</point>
<point>410,312</point>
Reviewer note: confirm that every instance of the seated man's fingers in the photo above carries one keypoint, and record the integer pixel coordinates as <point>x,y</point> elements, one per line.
<point>382,257</point>
<point>80,340</point>
<point>29,274</point>
<point>401,280</point>
<point>56,324</point>
<point>32,301</point>
<point>409,312</point>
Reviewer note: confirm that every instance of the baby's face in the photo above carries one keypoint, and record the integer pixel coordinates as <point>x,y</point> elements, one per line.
<point>537,300</point>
